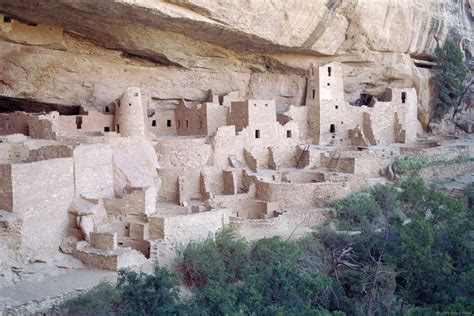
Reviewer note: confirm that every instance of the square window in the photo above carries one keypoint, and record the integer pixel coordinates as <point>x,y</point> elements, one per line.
<point>7,19</point>
<point>106,129</point>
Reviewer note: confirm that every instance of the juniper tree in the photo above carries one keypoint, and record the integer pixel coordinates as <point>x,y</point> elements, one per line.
<point>450,73</point>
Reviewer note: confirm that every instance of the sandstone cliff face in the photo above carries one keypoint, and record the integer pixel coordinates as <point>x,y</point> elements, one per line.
<point>180,48</point>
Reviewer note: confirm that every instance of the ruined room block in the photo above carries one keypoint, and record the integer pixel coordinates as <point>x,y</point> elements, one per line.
<point>230,182</point>
<point>139,231</point>
<point>103,240</point>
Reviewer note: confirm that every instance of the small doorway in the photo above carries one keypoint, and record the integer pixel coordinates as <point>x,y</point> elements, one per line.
<point>332,129</point>
<point>79,122</point>
<point>404,97</point>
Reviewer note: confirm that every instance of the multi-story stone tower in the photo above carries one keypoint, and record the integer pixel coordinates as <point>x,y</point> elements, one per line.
<point>129,114</point>
<point>324,99</point>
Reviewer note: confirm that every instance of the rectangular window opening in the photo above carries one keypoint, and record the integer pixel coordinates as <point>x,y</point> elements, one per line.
<point>332,128</point>
<point>288,134</point>
<point>314,94</point>
<point>118,128</point>
<point>106,129</point>
<point>257,133</point>
<point>168,123</point>
<point>153,123</point>
<point>329,71</point>
<point>7,19</point>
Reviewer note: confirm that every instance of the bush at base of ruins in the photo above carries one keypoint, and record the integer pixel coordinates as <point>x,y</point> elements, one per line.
<point>409,232</point>
<point>100,300</point>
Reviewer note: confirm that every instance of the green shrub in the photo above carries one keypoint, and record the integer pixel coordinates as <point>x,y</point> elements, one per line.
<point>149,294</point>
<point>220,259</point>
<point>358,211</point>
<point>407,165</point>
<point>100,300</point>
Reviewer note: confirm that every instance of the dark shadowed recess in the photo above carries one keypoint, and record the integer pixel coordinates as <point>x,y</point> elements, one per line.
<point>9,104</point>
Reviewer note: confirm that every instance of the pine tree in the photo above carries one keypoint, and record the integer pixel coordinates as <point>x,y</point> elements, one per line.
<point>450,73</point>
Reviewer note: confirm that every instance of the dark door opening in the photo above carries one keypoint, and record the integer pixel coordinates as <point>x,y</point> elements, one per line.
<point>153,123</point>
<point>168,123</point>
<point>288,134</point>
<point>257,133</point>
<point>79,122</point>
<point>332,128</point>
<point>329,71</point>
<point>118,128</point>
<point>404,97</point>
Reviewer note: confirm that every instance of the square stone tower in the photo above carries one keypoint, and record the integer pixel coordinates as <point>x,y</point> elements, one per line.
<point>324,99</point>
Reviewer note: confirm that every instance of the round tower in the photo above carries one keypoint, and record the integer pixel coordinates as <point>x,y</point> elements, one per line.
<point>129,114</point>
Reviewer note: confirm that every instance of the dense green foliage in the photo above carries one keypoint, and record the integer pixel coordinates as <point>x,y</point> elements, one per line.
<point>408,165</point>
<point>450,73</point>
<point>405,250</point>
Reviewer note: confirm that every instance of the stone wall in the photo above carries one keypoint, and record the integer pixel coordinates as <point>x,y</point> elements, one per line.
<point>181,229</point>
<point>6,190</point>
<point>91,122</point>
<point>43,201</point>
<point>162,122</point>
<point>14,123</point>
<point>183,152</point>
<point>44,126</point>
<point>134,202</point>
<point>93,171</point>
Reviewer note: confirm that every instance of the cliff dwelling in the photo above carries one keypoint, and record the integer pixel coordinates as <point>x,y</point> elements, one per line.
<point>116,162</point>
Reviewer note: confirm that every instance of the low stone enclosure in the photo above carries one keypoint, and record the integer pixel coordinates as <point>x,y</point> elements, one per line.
<point>119,188</point>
